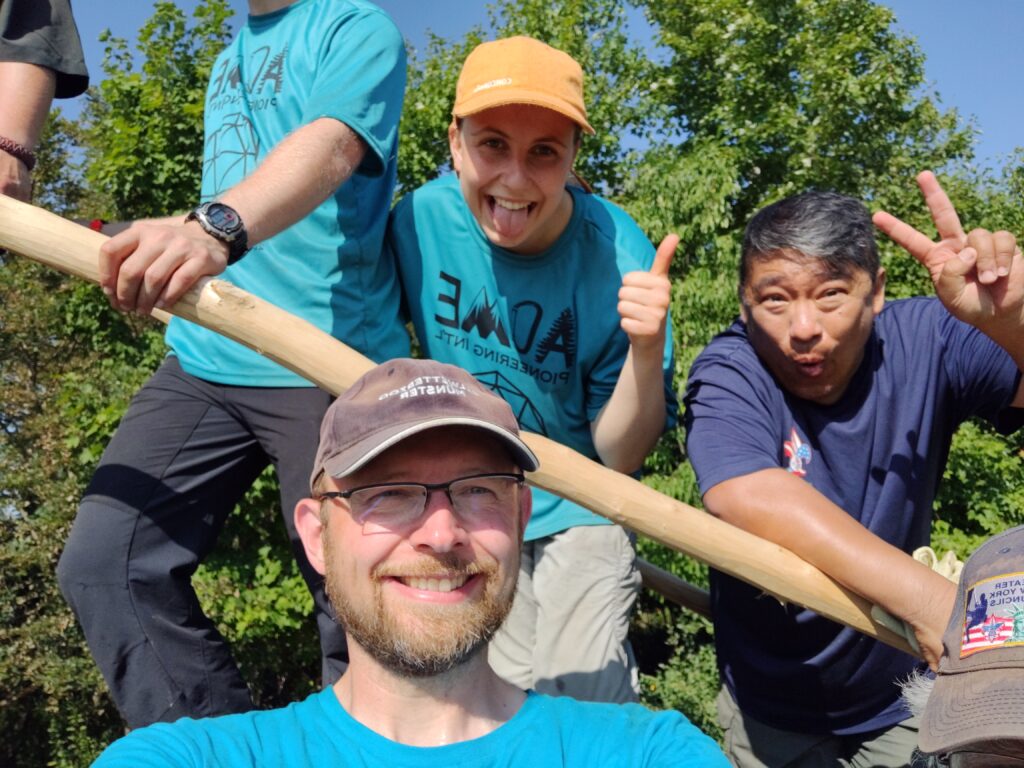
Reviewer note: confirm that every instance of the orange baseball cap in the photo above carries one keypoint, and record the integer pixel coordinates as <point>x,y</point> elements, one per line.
<point>521,70</point>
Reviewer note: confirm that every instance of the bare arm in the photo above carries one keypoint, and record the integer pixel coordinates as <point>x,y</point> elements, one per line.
<point>26,91</point>
<point>154,263</point>
<point>784,509</point>
<point>633,419</point>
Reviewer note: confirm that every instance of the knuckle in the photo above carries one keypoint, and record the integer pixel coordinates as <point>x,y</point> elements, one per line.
<point>152,280</point>
<point>130,273</point>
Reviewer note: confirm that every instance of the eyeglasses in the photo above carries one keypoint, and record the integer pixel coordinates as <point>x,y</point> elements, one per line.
<point>389,507</point>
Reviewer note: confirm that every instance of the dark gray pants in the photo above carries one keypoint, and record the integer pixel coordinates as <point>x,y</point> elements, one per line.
<point>184,454</point>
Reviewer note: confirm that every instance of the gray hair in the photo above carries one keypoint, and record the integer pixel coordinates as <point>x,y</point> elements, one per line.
<point>820,225</point>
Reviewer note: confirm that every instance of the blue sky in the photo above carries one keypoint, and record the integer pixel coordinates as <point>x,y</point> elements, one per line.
<point>975,60</point>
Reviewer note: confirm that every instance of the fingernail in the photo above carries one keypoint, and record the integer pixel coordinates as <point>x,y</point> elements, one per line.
<point>1003,271</point>
<point>987,276</point>
<point>107,292</point>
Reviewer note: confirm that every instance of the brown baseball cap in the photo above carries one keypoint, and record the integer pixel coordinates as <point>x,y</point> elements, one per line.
<point>978,699</point>
<point>401,398</point>
<point>521,70</point>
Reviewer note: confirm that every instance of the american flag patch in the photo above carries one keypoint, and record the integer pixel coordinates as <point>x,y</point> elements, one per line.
<point>994,614</point>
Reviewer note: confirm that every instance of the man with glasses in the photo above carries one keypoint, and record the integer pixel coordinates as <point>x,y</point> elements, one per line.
<point>416,520</point>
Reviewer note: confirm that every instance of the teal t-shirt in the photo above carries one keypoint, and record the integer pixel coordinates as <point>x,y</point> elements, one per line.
<point>342,59</point>
<point>541,330</point>
<point>319,732</point>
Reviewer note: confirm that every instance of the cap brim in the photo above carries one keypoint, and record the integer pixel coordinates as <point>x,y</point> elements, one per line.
<point>490,99</point>
<point>372,446</point>
<point>971,707</point>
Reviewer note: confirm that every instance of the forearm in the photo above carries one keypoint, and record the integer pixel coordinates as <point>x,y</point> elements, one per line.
<point>1011,338</point>
<point>26,91</point>
<point>297,175</point>
<point>788,511</point>
<point>632,420</point>
<point>25,94</point>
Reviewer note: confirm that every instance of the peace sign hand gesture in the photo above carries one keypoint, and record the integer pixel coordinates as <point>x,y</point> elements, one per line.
<point>979,277</point>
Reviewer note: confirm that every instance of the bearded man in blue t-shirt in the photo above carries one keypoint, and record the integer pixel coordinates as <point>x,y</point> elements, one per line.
<point>821,420</point>
<point>416,511</point>
<point>299,166</point>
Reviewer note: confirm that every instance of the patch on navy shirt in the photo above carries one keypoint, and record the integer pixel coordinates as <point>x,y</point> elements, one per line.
<point>995,614</point>
<point>798,452</point>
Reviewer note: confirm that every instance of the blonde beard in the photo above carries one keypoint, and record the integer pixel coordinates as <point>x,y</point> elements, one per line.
<point>433,639</point>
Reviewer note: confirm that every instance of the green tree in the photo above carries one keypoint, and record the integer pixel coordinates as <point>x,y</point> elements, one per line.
<point>143,127</point>
<point>66,361</point>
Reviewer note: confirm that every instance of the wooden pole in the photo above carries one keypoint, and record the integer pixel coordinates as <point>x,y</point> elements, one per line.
<point>298,345</point>
<point>680,592</point>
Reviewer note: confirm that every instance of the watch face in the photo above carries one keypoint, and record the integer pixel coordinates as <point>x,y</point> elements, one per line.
<point>221,217</point>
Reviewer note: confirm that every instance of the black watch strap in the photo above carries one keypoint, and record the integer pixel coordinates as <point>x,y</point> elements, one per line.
<point>222,222</point>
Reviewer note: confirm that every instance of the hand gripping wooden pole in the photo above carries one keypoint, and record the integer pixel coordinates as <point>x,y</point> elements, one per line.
<point>325,361</point>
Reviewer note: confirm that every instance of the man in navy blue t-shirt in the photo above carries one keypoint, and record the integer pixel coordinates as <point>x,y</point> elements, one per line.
<point>821,420</point>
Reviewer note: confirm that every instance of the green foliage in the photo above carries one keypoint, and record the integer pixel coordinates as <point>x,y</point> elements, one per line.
<point>143,127</point>
<point>57,178</point>
<point>430,90</point>
<point>982,491</point>
<point>688,680</point>
<point>810,94</point>
<point>253,590</point>
<point>58,378</point>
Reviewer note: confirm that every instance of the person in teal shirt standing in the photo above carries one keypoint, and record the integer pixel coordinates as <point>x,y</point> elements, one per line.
<point>299,167</point>
<point>554,299</point>
<point>416,515</point>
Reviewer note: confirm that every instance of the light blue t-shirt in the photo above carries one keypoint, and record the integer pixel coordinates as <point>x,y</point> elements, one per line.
<point>342,59</point>
<point>319,732</point>
<point>540,330</point>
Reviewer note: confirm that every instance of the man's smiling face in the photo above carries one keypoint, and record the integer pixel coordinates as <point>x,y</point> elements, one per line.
<point>423,599</point>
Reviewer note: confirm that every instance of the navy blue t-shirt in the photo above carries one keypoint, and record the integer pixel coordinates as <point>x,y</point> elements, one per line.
<point>879,454</point>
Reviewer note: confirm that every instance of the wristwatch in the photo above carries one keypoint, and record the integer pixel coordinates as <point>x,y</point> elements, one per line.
<point>222,222</point>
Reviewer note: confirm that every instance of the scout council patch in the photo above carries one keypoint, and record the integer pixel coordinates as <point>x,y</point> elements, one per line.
<point>995,614</point>
<point>798,452</point>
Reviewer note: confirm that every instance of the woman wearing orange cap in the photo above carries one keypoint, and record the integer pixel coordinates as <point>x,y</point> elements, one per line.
<point>555,299</point>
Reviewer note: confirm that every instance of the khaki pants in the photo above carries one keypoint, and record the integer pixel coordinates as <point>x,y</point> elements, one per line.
<point>751,744</point>
<point>567,632</point>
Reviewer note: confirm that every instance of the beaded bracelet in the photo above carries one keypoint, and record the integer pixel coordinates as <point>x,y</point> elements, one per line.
<point>23,153</point>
